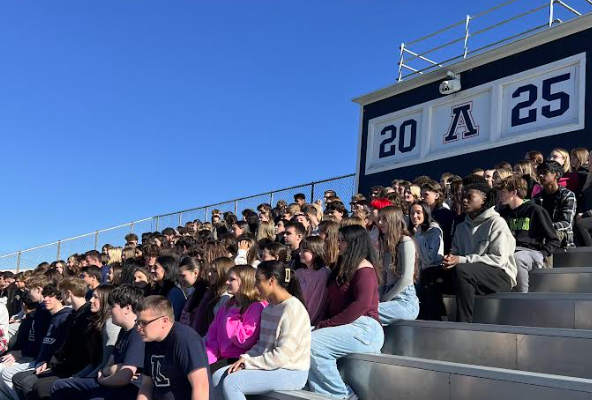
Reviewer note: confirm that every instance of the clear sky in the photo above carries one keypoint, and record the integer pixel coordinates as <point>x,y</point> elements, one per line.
<point>115,110</point>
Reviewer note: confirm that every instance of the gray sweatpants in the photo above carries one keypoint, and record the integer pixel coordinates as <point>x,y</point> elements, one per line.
<point>526,259</point>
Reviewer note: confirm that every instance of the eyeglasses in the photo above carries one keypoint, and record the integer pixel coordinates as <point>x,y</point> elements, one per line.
<point>144,324</point>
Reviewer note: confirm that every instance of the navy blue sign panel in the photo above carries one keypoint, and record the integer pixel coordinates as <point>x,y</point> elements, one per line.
<point>529,99</point>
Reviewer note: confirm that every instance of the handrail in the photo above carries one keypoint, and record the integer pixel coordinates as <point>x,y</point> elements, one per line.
<point>433,63</point>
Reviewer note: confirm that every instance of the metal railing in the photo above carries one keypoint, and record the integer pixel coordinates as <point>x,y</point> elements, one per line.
<point>30,258</point>
<point>460,33</point>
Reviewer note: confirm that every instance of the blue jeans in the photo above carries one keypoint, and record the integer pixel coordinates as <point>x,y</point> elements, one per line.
<point>255,381</point>
<point>404,306</point>
<point>364,335</point>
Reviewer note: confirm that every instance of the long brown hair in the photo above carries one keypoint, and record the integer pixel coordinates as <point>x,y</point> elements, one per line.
<point>99,319</point>
<point>331,231</point>
<point>389,242</point>
<point>316,246</point>
<point>247,294</point>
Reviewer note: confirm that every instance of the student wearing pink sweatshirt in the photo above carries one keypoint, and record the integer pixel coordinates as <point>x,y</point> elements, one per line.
<point>236,326</point>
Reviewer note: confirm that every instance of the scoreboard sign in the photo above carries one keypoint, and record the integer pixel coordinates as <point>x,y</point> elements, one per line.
<point>543,101</point>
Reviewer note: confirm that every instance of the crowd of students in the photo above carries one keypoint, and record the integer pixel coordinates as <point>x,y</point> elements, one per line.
<point>272,298</point>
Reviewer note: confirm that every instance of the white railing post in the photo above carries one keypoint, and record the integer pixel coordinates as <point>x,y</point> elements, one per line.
<point>467,36</point>
<point>402,48</point>
<point>551,12</point>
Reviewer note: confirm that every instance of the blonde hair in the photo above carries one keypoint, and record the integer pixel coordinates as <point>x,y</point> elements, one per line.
<point>580,156</point>
<point>266,230</point>
<point>415,191</point>
<point>565,154</point>
<point>247,293</point>
<point>524,168</point>
<point>114,254</point>
<point>504,173</point>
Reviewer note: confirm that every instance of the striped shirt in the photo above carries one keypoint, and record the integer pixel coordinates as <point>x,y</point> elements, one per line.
<point>284,339</point>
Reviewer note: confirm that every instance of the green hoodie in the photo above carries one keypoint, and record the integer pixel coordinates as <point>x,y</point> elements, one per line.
<point>486,239</point>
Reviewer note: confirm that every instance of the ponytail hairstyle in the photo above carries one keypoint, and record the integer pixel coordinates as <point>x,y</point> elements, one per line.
<point>279,251</point>
<point>284,276</point>
<point>194,264</point>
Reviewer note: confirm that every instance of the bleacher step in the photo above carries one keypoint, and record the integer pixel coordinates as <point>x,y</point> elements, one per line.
<point>573,258</point>
<point>547,310</point>
<point>561,280</point>
<point>386,377</point>
<point>543,350</point>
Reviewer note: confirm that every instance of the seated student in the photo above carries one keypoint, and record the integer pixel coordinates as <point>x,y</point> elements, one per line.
<point>481,260</point>
<point>400,271</point>
<point>235,328</point>
<point>293,235</point>
<point>281,358</point>
<point>313,278</point>
<point>352,324</point>
<point>100,322</point>
<point>115,380</point>
<point>37,330</point>
<point>91,275</point>
<point>29,308</point>
<point>427,234</point>
<point>276,252</point>
<point>559,202</point>
<point>530,224</point>
<point>247,252</point>
<point>73,355</point>
<point>164,274</point>
<point>52,341</point>
<point>175,360</point>
<point>432,194</point>
<point>192,276</point>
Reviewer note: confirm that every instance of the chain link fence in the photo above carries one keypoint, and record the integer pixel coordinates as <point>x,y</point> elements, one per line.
<point>115,236</point>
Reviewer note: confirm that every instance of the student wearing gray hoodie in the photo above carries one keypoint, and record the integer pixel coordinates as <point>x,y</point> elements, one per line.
<point>481,260</point>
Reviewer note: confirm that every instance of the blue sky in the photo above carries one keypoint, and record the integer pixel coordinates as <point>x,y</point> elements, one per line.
<point>113,110</point>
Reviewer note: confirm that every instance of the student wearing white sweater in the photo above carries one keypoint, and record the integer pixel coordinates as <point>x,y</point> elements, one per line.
<point>281,358</point>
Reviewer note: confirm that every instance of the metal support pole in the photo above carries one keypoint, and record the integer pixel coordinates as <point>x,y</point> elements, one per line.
<point>271,199</point>
<point>235,207</point>
<point>18,262</point>
<point>180,218</point>
<point>312,193</point>
<point>551,11</point>
<point>157,221</point>
<point>59,246</point>
<point>96,239</point>
<point>400,77</point>
<point>467,36</point>
<point>131,227</point>
<point>206,215</point>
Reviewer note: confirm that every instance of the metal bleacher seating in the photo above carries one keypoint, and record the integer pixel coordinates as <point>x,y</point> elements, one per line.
<point>522,346</point>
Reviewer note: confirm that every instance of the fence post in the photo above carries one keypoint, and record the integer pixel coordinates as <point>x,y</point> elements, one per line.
<point>96,239</point>
<point>271,199</point>
<point>157,221</point>
<point>18,262</point>
<point>235,207</point>
<point>467,36</point>
<point>59,246</point>
<point>312,193</point>
<point>131,227</point>
<point>180,218</point>
<point>551,11</point>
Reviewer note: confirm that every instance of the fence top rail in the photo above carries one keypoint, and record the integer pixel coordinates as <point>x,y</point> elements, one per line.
<point>256,195</point>
<point>97,232</point>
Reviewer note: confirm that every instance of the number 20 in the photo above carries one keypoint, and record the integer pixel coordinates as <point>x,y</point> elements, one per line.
<point>410,125</point>
<point>546,111</point>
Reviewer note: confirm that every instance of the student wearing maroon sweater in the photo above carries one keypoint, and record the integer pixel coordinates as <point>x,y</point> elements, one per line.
<point>352,324</point>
